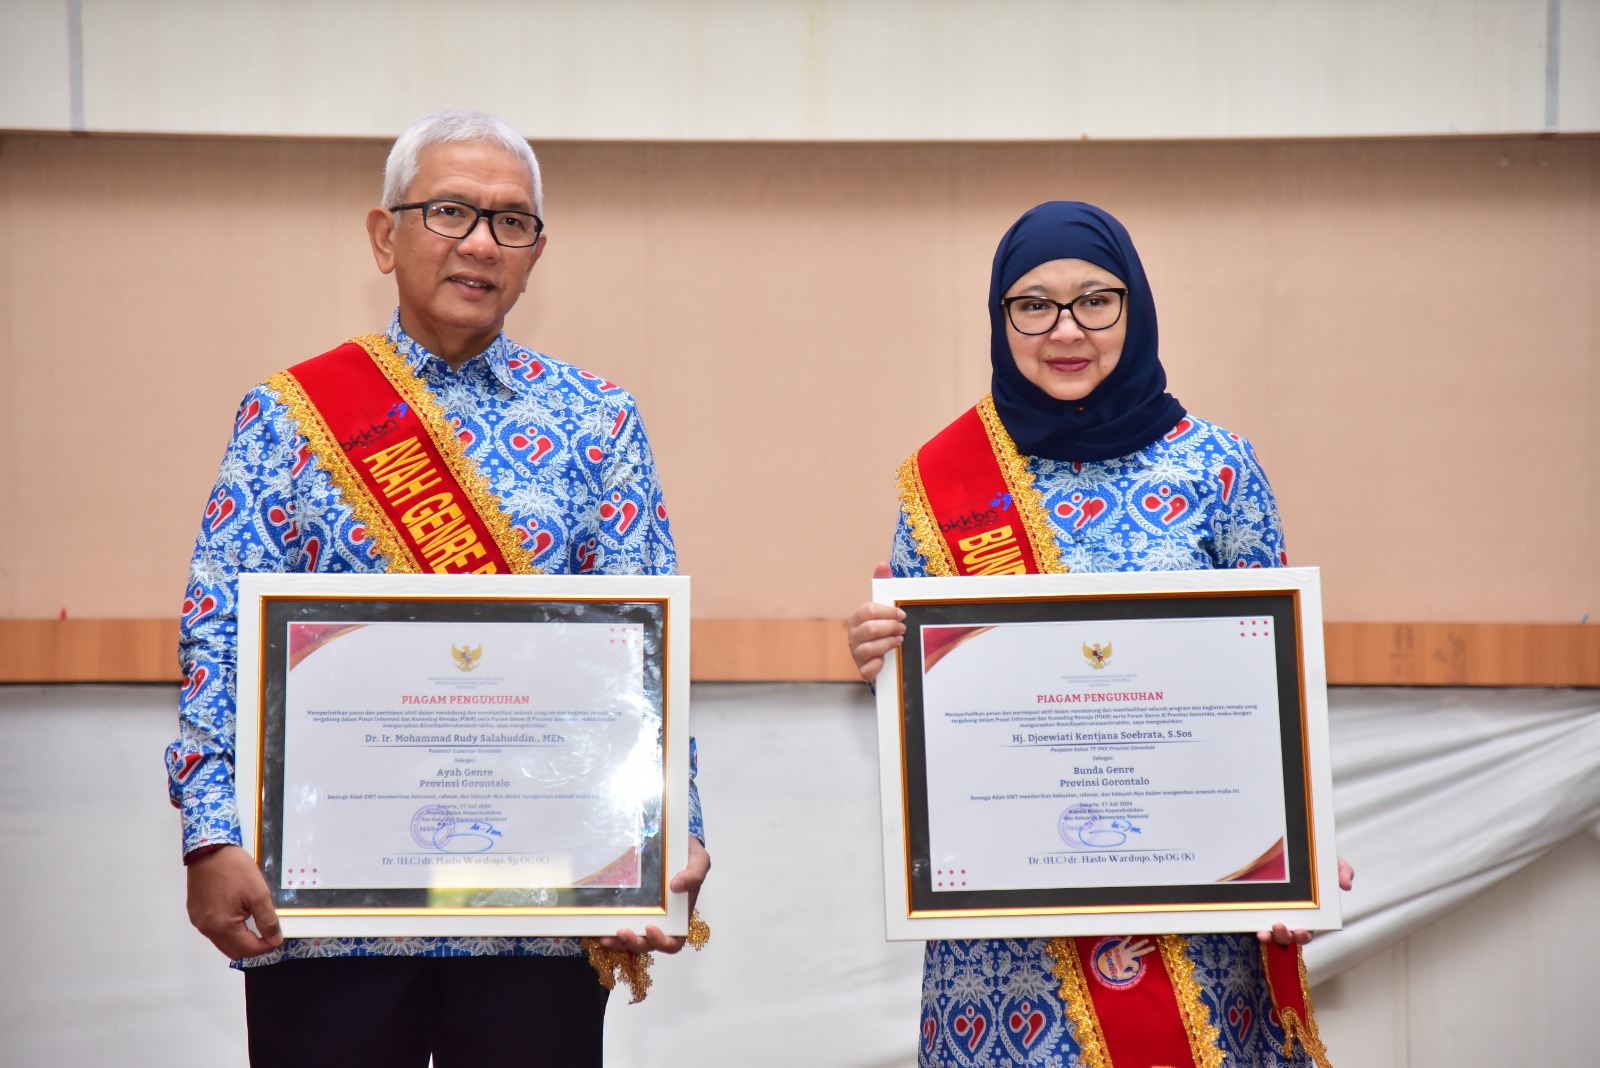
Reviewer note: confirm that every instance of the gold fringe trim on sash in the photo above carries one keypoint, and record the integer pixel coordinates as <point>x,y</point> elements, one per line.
<point>484,500</point>
<point>699,932</point>
<point>1294,1028</point>
<point>1024,494</point>
<point>1074,994</point>
<point>342,473</point>
<point>611,965</point>
<point>924,528</point>
<point>633,969</point>
<point>1196,1018</point>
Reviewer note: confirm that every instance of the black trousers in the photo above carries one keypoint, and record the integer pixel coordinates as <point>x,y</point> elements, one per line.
<point>393,1012</point>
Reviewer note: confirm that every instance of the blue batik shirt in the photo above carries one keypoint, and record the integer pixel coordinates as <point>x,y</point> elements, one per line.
<point>567,455</point>
<point>1193,500</point>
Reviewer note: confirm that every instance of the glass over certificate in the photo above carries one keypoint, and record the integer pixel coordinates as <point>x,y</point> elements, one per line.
<point>1094,754</point>
<point>465,754</point>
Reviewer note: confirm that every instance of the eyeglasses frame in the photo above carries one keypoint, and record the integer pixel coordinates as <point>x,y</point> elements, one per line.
<point>1121,291</point>
<point>479,215</point>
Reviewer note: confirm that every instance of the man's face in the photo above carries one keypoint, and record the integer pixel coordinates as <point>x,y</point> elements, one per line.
<point>455,292</point>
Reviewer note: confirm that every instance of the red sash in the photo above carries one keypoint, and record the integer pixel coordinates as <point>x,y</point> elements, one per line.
<point>1285,970</point>
<point>972,505</point>
<point>384,440</point>
<point>1133,1001</point>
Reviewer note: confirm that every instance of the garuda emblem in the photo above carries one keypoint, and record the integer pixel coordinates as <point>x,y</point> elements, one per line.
<point>1097,656</point>
<point>467,658</point>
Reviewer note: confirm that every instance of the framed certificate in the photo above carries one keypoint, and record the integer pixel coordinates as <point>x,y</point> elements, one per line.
<point>465,754</point>
<point>1103,753</point>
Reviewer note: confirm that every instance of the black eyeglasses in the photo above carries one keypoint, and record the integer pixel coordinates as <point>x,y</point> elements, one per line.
<point>452,218</point>
<point>1098,309</point>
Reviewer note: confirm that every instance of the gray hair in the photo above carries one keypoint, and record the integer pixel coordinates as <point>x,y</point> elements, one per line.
<point>446,126</point>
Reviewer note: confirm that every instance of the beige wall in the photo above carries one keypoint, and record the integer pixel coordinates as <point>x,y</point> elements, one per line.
<point>817,70</point>
<point>1407,330</point>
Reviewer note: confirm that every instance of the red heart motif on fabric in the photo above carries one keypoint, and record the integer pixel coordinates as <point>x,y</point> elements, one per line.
<point>661,512</point>
<point>301,458</point>
<point>540,445</point>
<point>1175,506</point>
<point>248,416</point>
<point>219,510</point>
<point>277,516</point>
<point>313,552</point>
<point>1184,426</point>
<point>930,1031</point>
<point>594,454</point>
<point>529,370</point>
<point>1239,1016</point>
<point>1226,475</point>
<point>1026,1017</point>
<point>973,1024</point>
<point>542,541</point>
<point>1091,510</point>
<point>185,765</point>
<point>1086,511</point>
<point>195,611</point>
<point>588,557</point>
<point>197,678</point>
<point>620,421</point>
<point>358,534</point>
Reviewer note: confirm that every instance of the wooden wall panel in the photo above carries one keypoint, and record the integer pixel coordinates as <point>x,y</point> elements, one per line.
<point>813,650</point>
<point>1463,654</point>
<point>1434,450</point>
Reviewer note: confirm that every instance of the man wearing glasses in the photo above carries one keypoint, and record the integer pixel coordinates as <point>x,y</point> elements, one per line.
<point>544,467</point>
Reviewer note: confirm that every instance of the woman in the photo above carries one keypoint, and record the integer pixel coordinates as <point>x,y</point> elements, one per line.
<point>1122,479</point>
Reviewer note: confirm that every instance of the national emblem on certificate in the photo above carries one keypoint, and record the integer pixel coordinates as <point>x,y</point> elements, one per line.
<point>437,754</point>
<point>1087,753</point>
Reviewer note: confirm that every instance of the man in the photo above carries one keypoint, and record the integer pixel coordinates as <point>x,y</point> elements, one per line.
<point>566,482</point>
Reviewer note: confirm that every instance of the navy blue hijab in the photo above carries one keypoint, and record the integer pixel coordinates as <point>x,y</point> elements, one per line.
<point>1130,407</point>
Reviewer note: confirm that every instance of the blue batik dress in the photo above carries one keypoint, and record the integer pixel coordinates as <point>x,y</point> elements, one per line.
<point>1194,499</point>
<point>565,452</point>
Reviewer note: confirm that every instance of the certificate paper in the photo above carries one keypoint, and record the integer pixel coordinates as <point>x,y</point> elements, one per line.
<point>472,751</point>
<point>1097,754</point>
<point>465,755</point>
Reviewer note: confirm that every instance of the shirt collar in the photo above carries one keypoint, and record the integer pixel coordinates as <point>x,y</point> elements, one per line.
<point>497,355</point>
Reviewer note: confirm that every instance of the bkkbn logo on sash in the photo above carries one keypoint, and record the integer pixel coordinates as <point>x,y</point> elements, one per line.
<point>1097,656</point>
<point>466,657</point>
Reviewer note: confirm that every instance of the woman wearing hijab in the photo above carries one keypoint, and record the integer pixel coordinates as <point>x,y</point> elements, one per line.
<point>1109,473</point>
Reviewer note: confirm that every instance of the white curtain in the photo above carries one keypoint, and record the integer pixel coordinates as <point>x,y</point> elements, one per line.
<point>1438,795</point>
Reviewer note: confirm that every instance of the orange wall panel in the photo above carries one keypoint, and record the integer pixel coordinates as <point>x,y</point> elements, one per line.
<point>1407,330</point>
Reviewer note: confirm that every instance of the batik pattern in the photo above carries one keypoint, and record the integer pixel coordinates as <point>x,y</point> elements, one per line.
<point>566,454</point>
<point>1194,500</point>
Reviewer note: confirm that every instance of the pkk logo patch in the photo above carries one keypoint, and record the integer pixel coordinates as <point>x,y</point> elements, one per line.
<point>1119,962</point>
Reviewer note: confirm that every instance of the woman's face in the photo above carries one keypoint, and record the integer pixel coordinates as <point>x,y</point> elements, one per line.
<point>1068,362</point>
